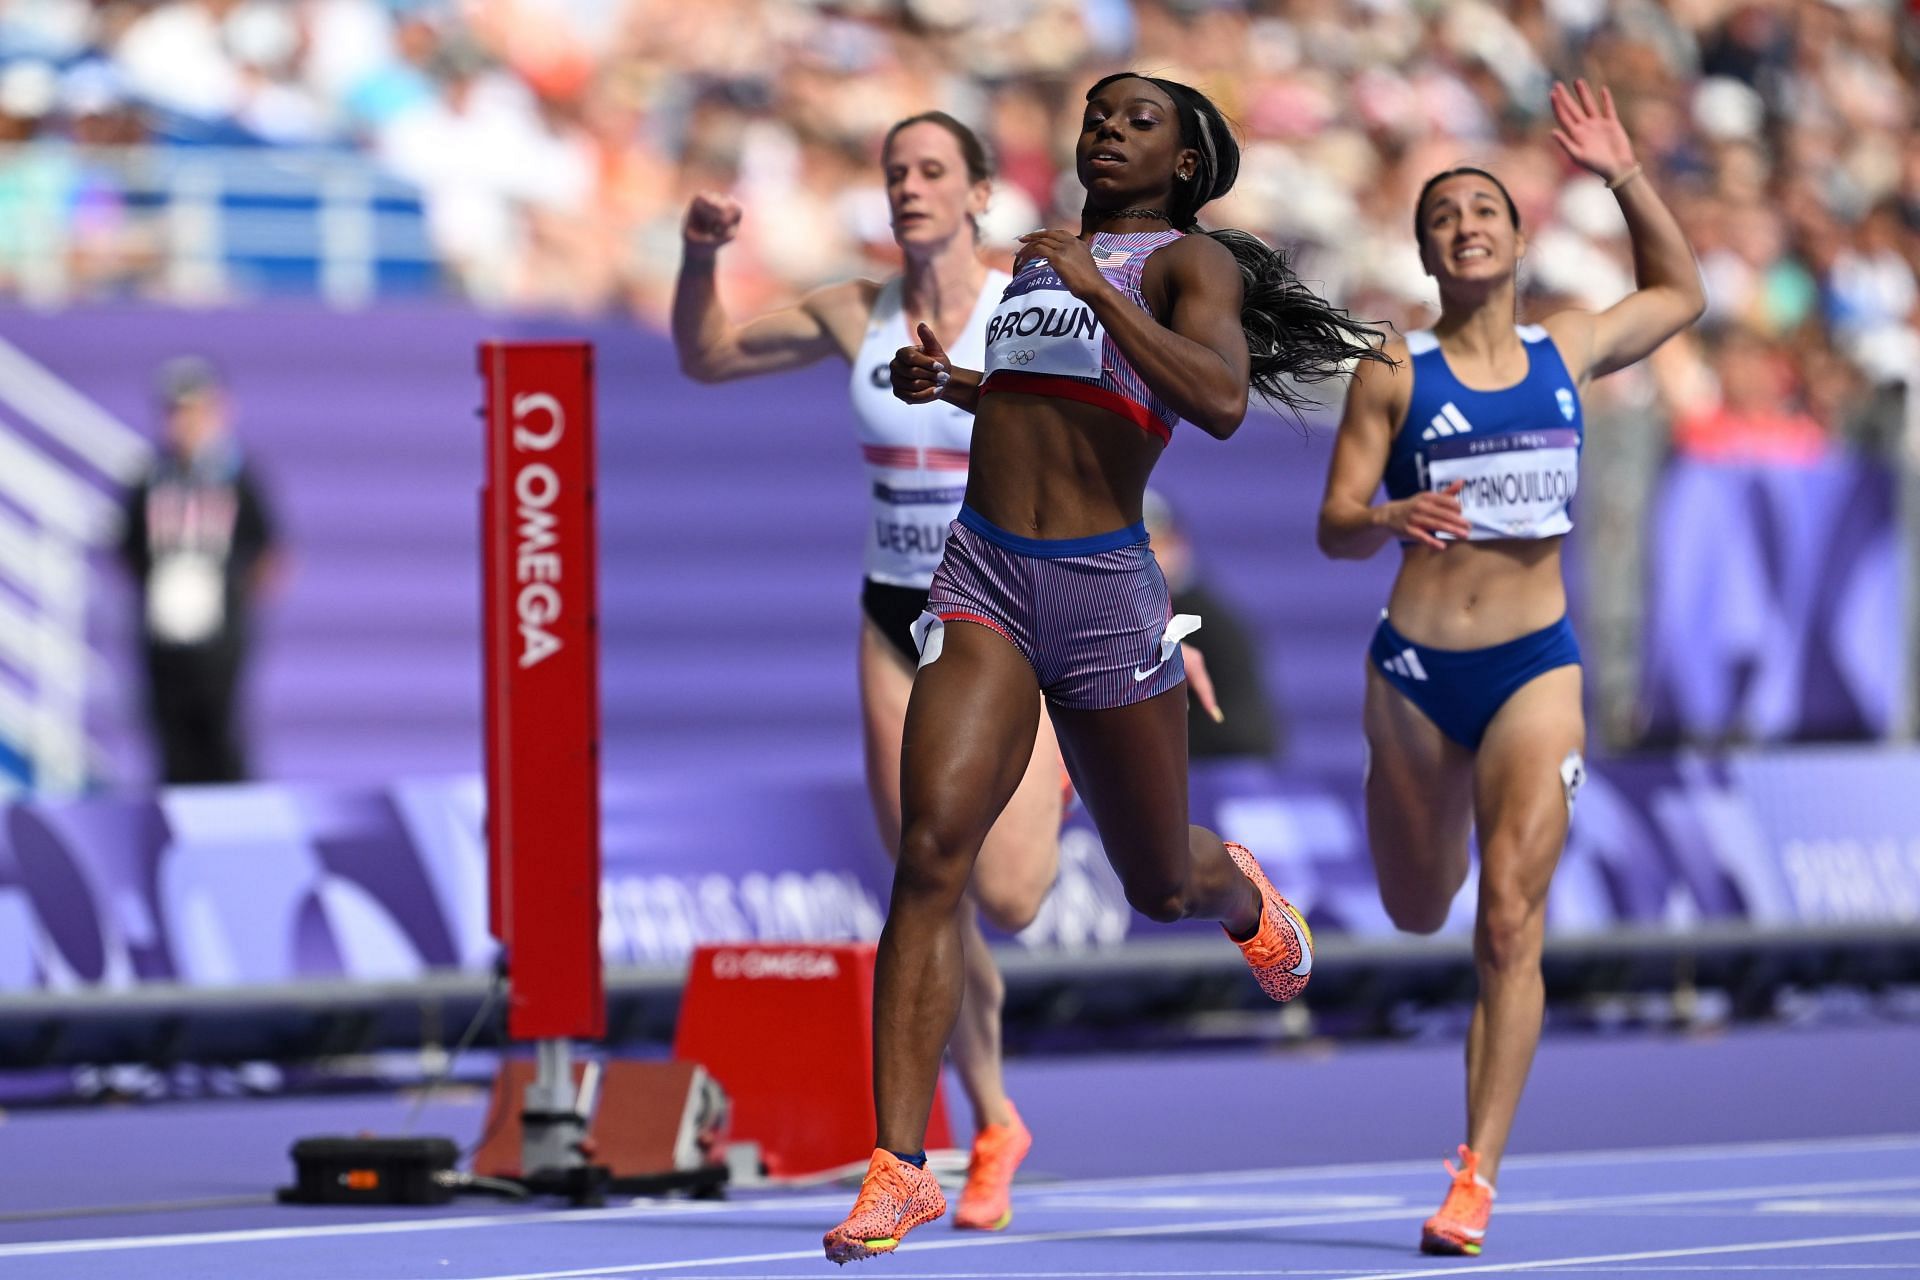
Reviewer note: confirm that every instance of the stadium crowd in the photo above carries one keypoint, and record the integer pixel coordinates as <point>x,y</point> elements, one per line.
<point>556,143</point>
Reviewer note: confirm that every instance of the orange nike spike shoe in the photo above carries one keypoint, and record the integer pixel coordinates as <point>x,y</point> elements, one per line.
<point>894,1198</point>
<point>986,1202</point>
<point>1461,1224</point>
<point>1280,952</point>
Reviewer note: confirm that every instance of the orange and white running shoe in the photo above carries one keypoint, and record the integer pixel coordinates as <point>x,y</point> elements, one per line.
<point>986,1202</point>
<point>1461,1224</point>
<point>895,1197</point>
<point>1280,952</point>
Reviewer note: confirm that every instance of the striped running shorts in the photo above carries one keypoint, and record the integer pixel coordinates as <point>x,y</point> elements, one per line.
<point>1092,616</point>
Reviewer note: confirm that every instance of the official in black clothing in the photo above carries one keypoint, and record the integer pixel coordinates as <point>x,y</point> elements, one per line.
<point>200,543</point>
<point>1250,727</point>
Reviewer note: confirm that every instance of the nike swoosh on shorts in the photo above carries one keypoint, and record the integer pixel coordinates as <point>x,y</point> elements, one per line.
<point>1179,627</point>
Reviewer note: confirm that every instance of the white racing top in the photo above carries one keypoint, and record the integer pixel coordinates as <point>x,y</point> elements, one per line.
<point>916,454</point>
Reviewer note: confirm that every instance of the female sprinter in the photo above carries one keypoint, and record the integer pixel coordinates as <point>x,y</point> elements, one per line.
<point>1473,713</point>
<point>1101,343</point>
<point>938,181</point>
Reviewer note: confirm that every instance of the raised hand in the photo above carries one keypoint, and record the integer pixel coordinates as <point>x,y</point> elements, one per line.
<point>1590,131</point>
<point>1069,257</point>
<point>920,373</point>
<point>711,222</point>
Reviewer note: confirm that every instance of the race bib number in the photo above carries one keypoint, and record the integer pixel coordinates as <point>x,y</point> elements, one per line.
<point>1517,485</point>
<point>910,528</point>
<point>1039,327</point>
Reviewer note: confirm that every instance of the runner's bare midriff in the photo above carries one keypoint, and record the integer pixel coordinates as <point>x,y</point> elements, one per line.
<point>1050,468</point>
<point>1475,594</point>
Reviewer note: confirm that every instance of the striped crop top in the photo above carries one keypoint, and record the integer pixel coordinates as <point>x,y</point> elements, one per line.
<point>1045,342</point>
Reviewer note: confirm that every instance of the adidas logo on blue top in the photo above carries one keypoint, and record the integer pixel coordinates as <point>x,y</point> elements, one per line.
<point>1448,422</point>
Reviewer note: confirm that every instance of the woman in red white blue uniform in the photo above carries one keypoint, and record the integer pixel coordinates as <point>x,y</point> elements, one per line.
<point>938,182</point>
<point>1473,703</point>
<point>1102,342</point>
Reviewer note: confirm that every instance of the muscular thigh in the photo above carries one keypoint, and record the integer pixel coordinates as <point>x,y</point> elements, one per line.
<point>1520,795</point>
<point>969,733</point>
<point>1419,795</point>
<point>1021,855</point>
<point>1129,765</point>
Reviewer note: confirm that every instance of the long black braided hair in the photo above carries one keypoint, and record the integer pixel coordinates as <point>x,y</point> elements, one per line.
<point>1294,336</point>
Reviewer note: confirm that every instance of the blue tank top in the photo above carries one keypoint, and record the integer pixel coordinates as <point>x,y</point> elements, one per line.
<point>1516,449</point>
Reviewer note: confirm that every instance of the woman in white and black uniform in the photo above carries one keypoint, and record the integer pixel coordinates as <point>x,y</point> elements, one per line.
<point>1473,702</point>
<point>938,182</point>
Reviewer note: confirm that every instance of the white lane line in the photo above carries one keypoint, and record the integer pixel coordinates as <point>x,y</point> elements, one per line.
<point>1348,1273</point>
<point>1714,1195</point>
<point>1906,1206</point>
<point>637,1209</point>
<point>1721,1268</point>
<point>1294,1201</point>
<point>1224,1225</point>
<point>1565,1159</point>
<point>1840,1146</point>
<point>1480,1267</point>
<point>1157,1274</point>
<point>1705,1213</point>
<point>1723,1151</point>
<point>44,1248</point>
<point>1351,1273</point>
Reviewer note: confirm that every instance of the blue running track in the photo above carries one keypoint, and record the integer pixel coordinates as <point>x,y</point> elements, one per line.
<point>1752,1154</point>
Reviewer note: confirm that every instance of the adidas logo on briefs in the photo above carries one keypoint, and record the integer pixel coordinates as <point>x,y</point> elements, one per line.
<point>1406,664</point>
<point>1448,422</point>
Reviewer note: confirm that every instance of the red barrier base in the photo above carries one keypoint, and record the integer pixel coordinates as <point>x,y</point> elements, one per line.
<point>787,1030</point>
<point>652,1118</point>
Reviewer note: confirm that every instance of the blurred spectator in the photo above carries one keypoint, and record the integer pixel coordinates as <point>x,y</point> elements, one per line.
<point>200,542</point>
<point>555,141</point>
<point>1251,729</point>
<point>1745,406</point>
<point>36,182</point>
<point>1870,285</point>
<point>112,244</point>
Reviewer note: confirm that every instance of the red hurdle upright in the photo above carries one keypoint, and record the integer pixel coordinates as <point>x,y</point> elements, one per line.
<point>542,698</point>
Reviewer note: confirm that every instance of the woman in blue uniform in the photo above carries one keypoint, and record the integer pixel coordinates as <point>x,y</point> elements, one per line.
<point>1473,703</point>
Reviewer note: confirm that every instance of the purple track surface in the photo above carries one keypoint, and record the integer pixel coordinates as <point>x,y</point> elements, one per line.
<point>1794,1153</point>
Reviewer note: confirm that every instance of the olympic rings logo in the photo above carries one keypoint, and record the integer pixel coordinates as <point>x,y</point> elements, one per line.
<point>1026,355</point>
